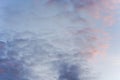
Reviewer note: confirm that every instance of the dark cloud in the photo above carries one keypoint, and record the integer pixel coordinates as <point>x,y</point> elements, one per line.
<point>68,72</point>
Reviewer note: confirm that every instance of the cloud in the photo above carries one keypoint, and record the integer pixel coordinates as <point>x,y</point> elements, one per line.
<point>50,36</point>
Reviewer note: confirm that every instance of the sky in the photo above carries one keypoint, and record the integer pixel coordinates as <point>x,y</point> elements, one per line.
<point>40,39</point>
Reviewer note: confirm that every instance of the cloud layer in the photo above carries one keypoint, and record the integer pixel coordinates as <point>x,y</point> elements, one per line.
<point>53,39</point>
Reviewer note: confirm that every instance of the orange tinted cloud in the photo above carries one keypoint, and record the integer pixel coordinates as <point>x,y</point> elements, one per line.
<point>94,41</point>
